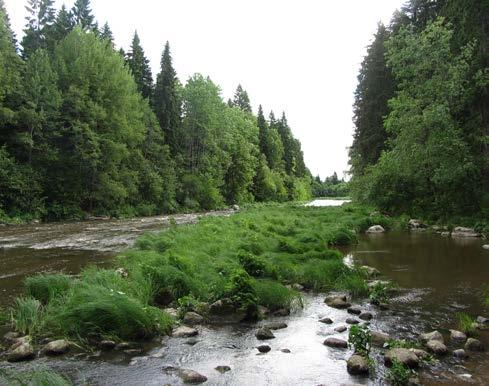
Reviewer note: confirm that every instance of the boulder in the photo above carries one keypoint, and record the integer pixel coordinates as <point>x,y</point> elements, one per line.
<point>298,287</point>
<point>355,310</point>
<point>263,311</point>
<point>107,345</point>
<point>340,329</point>
<point>276,325</point>
<point>460,353</point>
<point>445,234</point>
<point>192,341</point>
<point>473,344</point>
<point>326,320</point>
<point>281,312</point>
<point>235,207</point>
<point>22,352</point>
<point>366,315</point>
<point>191,376</point>
<point>352,321</point>
<point>337,302</point>
<point>184,332</point>
<point>192,318</point>
<point>415,224</point>
<point>223,311</point>
<point>482,320</point>
<point>421,354</point>
<point>370,271</point>
<point>122,272</point>
<point>264,334</point>
<point>336,343</point>
<point>11,337</point>
<point>485,246</point>
<point>56,347</point>
<point>437,347</point>
<point>264,348</point>
<point>465,232</point>
<point>402,355</point>
<point>458,335</point>
<point>376,229</point>
<point>222,369</point>
<point>434,335</point>
<point>378,338</point>
<point>357,365</point>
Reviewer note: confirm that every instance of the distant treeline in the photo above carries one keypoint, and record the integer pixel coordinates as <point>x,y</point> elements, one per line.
<point>330,187</point>
<point>85,128</point>
<point>422,112</point>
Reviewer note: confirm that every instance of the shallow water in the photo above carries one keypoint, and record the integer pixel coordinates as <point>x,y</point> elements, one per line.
<point>438,278</point>
<point>322,202</point>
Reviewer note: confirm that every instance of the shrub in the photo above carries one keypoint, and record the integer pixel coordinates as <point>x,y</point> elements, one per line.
<point>241,291</point>
<point>26,315</point>
<point>399,374</point>
<point>378,293</point>
<point>359,339</point>
<point>46,287</point>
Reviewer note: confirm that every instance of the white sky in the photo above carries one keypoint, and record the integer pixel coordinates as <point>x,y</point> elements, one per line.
<point>301,56</point>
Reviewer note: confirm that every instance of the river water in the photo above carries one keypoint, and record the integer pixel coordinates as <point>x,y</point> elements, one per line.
<point>438,277</point>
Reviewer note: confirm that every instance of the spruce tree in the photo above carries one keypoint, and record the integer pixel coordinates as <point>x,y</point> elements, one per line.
<point>241,99</point>
<point>61,27</point>
<point>40,19</point>
<point>262,124</point>
<point>82,15</point>
<point>107,35</point>
<point>167,103</point>
<point>140,68</point>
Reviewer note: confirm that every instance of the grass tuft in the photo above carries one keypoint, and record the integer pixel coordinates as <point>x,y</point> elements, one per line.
<point>26,315</point>
<point>45,287</point>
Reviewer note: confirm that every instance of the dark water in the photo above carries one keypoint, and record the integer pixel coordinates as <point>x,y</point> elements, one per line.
<point>439,277</point>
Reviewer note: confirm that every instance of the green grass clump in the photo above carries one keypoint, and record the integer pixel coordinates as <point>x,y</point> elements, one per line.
<point>26,315</point>
<point>45,287</point>
<point>342,237</point>
<point>399,374</point>
<point>466,323</point>
<point>322,275</point>
<point>359,338</point>
<point>33,378</point>
<point>354,283</point>
<point>275,296</point>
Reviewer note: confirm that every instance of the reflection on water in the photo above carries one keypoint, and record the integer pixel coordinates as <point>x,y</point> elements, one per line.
<point>327,202</point>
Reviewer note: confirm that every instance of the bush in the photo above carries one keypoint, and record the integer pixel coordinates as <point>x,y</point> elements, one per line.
<point>241,291</point>
<point>26,315</point>
<point>359,339</point>
<point>399,374</point>
<point>47,287</point>
<point>378,294</point>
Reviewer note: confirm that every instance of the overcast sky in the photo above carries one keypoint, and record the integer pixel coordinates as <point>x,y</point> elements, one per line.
<point>301,56</point>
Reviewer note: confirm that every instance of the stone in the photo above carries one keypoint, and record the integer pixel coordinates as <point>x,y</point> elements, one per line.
<point>281,312</point>
<point>124,346</point>
<point>402,355</point>
<point>173,312</point>
<point>22,352</point>
<point>473,344</point>
<point>337,302</point>
<point>298,287</point>
<point>336,343</point>
<point>263,311</point>
<point>222,369</point>
<point>383,306</point>
<point>379,338</point>
<point>482,320</point>
<point>11,337</point>
<point>235,207</point>
<point>340,329</point>
<point>191,376</point>
<point>122,272</point>
<point>465,232</point>
<point>458,335</point>
<point>192,318</point>
<point>376,229</point>
<point>264,348</point>
<point>184,332</point>
<point>107,345</point>
<point>437,347</point>
<point>421,354</point>
<point>352,321</point>
<point>366,315</point>
<point>460,353</point>
<point>285,350</point>
<point>275,325</point>
<point>370,271</point>
<point>445,234</point>
<point>133,351</point>
<point>434,335</point>
<point>56,347</point>
<point>357,365</point>
<point>485,246</point>
<point>355,310</point>
<point>326,320</point>
<point>415,224</point>
<point>264,334</point>
<point>192,341</point>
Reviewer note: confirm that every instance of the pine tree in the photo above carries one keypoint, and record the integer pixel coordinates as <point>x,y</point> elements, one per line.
<point>140,68</point>
<point>61,27</point>
<point>40,19</point>
<point>241,99</point>
<point>263,131</point>
<point>82,15</point>
<point>107,35</point>
<point>167,103</point>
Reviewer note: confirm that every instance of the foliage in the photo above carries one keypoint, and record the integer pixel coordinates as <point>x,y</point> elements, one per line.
<point>45,287</point>
<point>359,338</point>
<point>275,296</point>
<point>399,374</point>
<point>379,293</point>
<point>26,315</point>
<point>33,378</point>
<point>466,323</point>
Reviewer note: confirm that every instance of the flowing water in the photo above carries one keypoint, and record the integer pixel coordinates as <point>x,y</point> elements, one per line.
<point>439,277</point>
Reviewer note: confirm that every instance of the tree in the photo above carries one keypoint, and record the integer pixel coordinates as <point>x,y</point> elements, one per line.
<point>107,35</point>
<point>167,101</point>
<point>82,15</point>
<point>40,19</point>
<point>241,100</point>
<point>140,68</point>
<point>61,27</point>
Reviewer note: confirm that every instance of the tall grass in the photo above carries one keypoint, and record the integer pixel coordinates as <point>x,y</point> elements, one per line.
<point>466,323</point>
<point>275,296</point>
<point>33,378</point>
<point>45,287</point>
<point>26,315</point>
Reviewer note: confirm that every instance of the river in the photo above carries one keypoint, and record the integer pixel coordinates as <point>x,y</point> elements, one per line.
<point>438,277</point>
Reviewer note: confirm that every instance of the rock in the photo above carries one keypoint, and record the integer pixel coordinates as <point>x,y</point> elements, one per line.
<point>20,340</point>
<point>352,321</point>
<point>107,345</point>
<point>458,335</point>
<point>133,351</point>
<point>281,312</point>
<point>370,271</point>
<point>474,345</point>
<point>285,350</point>
<point>192,341</point>
<point>465,232</point>
<point>482,320</point>
<point>357,365</point>
<point>378,338</point>
<point>366,315</point>
<point>159,354</point>
<point>264,334</point>
<point>355,310</point>
<point>421,354</point>
<point>460,353</point>
<point>337,302</point>
<point>184,332</point>
<point>336,343</point>
<point>434,335</point>
<point>124,346</point>
<point>298,287</point>
<point>122,272</point>
<point>416,224</point>
<point>224,311</point>
<point>191,376</point>
<point>376,229</point>
<point>402,355</point>
<point>276,325</point>
<point>445,234</point>
<point>437,347</point>
<point>173,312</point>
<point>11,337</point>
<point>383,306</point>
<point>264,348</point>
<point>485,246</point>
<point>192,318</point>
<point>222,369</point>
<point>263,311</point>
<point>56,347</point>
<point>235,207</point>
<point>340,329</point>
<point>326,320</point>
<point>22,352</point>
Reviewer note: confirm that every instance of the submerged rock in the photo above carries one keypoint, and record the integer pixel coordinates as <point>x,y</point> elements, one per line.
<point>56,347</point>
<point>326,320</point>
<point>285,350</point>
<point>184,332</point>
<point>473,344</point>
<point>335,342</point>
<point>376,229</point>
<point>434,335</point>
<point>352,321</point>
<point>264,334</point>
<point>465,232</point>
<point>337,302</point>
<point>421,354</point>
<point>22,352</point>
<point>378,338</point>
<point>222,369</point>
<point>192,318</point>
<point>264,348</point>
<point>355,310</point>
<point>437,347</point>
<point>192,341</point>
<point>366,315</point>
<point>191,376</point>
<point>482,320</point>
<point>340,329</point>
<point>276,325</point>
<point>460,353</point>
<point>357,365</point>
<point>402,355</point>
<point>457,335</point>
